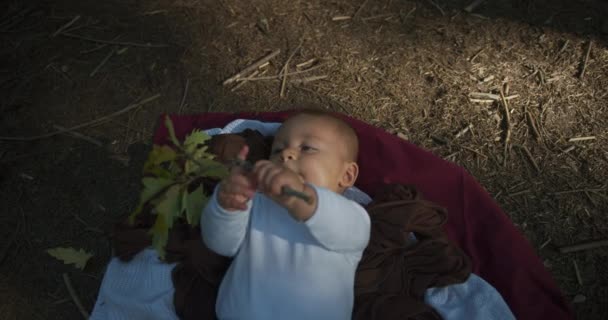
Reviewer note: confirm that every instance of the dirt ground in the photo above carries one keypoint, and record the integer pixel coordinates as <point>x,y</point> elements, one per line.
<point>410,67</point>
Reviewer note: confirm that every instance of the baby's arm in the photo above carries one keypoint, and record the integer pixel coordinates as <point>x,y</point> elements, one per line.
<point>223,231</point>
<point>225,218</point>
<point>339,224</point>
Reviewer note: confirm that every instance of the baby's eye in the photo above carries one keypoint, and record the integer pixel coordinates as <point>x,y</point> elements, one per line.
<point>308,148</point>
<point>275,151</point>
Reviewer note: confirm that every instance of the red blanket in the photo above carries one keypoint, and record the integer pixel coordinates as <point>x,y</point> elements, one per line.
<point>499,252</point>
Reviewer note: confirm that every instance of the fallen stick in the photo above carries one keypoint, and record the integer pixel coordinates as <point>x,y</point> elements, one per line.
<point>475,151</point>
<point>359,9</point>
<point>532,124</point>
<point>577,190</point>
<point>407,15</point>
<point>473,5</point>
<point>306,64</point>
<point>581,139</point>
<point>307,79</point>
<point>564,46</point>
<point>545,244</point>
<point>530,158</point>
<point>118,43</point>
<point>183,101</point>
<point>586,60</point>
<point>463,131</point>
<point>278,76</point>
<point>584,246</point>
<point>242,83</point>
<point>491,96</point>
<point>302,80</point>
<point>570,148</point>
<point>252,67</point>
<point>488,79</point>
<point>476,54</point>
<point>378,16</point>
<point>75,298</point>
<point>340,18</point>
<point>518,193</point>
<point>579,278</point>
<point>86,124</point>
<point>436,6</point>
<point>286,69</point>
<point>105,59</point>
<point>80,136</point>
<point>65,26</point>
<point>508,126</point>
<point>284,81</point>
<point>481,100</point>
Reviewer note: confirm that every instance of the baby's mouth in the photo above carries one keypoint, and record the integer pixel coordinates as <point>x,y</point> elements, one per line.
<point>295,171</point>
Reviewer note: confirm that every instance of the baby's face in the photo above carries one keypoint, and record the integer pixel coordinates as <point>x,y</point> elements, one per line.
<point>311,146</point>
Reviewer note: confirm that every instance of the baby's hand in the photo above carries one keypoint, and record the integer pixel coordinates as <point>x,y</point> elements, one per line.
<point>236,189</point>
<point>271,179</point>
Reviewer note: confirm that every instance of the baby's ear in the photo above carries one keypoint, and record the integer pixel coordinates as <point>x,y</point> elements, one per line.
<point>351,172</point>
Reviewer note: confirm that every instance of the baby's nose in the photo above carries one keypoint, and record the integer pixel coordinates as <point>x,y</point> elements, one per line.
<point>288,154</point>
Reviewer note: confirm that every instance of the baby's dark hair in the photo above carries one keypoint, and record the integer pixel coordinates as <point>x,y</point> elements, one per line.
<point>345,129</point>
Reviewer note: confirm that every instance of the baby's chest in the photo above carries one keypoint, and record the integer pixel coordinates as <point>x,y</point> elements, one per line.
<point>272,223</point>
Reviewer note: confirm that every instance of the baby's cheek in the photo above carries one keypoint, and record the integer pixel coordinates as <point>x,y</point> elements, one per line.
<point>317,178</point>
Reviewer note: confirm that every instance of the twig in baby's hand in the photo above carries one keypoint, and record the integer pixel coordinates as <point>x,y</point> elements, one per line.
<point>285,191</point>
<point>244,164</point>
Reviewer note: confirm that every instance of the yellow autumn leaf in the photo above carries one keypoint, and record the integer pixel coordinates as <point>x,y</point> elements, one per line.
<point>160,235</point>
<point>152,188</point>
<point>195,142</point>
<point>194,202</point>
<point>70,256</point>
<point>159,155</point>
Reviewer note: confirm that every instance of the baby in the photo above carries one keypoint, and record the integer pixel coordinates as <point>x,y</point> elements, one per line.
<point>293,259</point>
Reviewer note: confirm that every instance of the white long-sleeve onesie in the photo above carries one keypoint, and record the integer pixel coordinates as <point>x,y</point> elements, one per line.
<point>285,269</point>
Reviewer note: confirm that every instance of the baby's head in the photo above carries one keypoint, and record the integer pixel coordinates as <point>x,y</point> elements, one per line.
<point>321,148</point>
